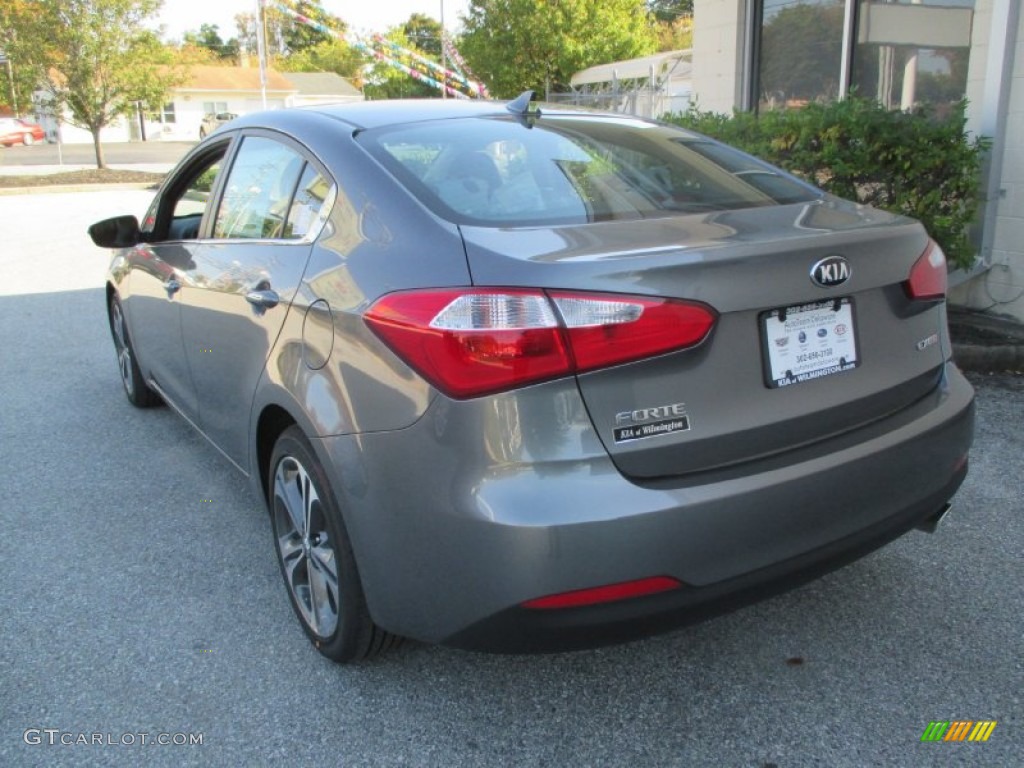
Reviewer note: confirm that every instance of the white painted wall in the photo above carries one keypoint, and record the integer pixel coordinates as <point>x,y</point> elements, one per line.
<point>718,54</point>
<point>1001,289</point>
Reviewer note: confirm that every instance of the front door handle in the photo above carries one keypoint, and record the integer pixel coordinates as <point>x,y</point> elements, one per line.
<point>263,299</point>
<point>172,286</point>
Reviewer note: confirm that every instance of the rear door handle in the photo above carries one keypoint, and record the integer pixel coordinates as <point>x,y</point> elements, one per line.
<point>172,286</point>
<point>263,299</point>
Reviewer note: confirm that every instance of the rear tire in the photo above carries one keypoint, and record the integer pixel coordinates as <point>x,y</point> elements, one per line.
<point>27,138</point>
<point>135,387</point>
<point>315,556</point>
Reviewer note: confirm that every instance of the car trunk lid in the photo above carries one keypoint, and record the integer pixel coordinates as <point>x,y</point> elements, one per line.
<point>718,404</point>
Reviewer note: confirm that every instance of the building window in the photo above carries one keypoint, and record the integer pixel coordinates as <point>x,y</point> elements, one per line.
<point>905,53</point>
<point>910,53</point>
<point>214,107</point>
<point>801,47</point>
<point>167,114</point>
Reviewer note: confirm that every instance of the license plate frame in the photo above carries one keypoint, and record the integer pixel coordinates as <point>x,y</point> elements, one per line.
<point>806,342</point>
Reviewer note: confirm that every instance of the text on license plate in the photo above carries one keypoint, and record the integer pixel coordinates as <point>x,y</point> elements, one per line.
<point>809,341</point>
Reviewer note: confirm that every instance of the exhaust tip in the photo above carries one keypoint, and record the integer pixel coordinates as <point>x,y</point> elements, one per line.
<point>931,524</point>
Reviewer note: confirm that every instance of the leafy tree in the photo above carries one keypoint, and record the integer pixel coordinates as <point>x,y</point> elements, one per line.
<point>285,35</point>
<point>675,35</point>
<point>424,34</point>
<point>383,81</point>
<point>208,37</point>
<point>94,58</point>
<point>330,56</point>
<point>519,44</point>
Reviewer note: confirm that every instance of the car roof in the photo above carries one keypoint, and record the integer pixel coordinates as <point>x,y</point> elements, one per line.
<point>376,114</point>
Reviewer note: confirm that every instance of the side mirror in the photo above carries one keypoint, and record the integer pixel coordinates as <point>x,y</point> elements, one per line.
<point>118,232</point>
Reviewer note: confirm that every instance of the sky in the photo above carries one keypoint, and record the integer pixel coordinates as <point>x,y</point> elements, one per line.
<point>361,15</point>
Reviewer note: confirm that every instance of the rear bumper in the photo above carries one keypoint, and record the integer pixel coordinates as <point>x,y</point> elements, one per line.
<point>459,519</point>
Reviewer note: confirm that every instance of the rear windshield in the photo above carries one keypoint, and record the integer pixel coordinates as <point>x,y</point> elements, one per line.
<point>569,169</point>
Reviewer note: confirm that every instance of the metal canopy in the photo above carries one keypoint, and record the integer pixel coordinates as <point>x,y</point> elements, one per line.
<point>667,63</point>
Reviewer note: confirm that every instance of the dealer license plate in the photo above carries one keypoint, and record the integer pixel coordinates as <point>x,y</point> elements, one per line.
<point>808,341</point>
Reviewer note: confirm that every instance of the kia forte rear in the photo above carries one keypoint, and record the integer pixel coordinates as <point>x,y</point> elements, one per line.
<point>520,381</point>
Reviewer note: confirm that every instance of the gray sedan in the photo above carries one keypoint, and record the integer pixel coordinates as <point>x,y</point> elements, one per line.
<point>520,380</point>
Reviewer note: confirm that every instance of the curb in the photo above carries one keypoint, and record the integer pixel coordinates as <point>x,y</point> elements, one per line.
<point>994,359</point>
<point>47,189</point>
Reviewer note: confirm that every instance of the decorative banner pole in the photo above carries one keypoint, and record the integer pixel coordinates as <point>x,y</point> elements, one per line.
<point>444,63</point>
<point>377,50</point>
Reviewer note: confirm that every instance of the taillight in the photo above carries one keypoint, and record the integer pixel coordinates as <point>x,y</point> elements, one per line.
<point>472,342</point>
<point>928,276</point>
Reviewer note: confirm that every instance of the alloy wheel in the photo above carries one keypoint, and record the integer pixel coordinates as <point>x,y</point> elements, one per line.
<point>307,551</point>
<point>124,352</point>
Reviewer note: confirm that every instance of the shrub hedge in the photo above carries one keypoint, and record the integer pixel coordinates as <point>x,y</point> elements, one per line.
<point>918,163</point>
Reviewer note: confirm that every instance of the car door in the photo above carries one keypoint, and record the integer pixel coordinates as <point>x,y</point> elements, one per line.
<point>162,270</point>
<point>245,274</point>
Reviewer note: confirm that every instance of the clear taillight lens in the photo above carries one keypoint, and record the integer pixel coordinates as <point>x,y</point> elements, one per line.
<point>471,342</point>
<point>928,277</point>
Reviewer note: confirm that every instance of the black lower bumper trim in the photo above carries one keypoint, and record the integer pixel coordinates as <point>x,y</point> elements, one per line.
<point>521,630</point>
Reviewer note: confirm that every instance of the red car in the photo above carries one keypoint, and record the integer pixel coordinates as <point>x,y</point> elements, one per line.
<point>14,130</point>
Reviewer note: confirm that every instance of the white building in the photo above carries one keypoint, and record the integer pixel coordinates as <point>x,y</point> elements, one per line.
<point>211,90</point>
<point>764,54</point>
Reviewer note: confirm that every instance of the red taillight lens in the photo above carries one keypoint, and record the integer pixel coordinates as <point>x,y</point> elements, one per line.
<point>609,329</point>
<point>928,276</point>
<point>608,593</point>
<point>472,342</point>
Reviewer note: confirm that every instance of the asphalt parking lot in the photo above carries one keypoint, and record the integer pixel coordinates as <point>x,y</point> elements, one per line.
<point>14,159</point>
<point>140,595</point>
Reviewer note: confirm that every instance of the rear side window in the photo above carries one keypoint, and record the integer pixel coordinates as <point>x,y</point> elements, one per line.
<point>569,169</point>
<point>259,190</point>
<point>308,204</point>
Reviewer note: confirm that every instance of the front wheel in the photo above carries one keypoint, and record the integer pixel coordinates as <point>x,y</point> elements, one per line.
<point>315,556</point>
<point>27,138</point>
<point>135,387</point>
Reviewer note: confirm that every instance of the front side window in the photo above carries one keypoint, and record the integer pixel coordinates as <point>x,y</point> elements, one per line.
<point>568,169</point>
<point>178,213</point>
<point>259,190</point>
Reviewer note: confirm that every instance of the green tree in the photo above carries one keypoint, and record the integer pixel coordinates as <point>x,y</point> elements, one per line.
<point>330,56</point>
<point>208,37</point>
<point>384,81</point>
<point>94,58</point>
<point>519,44</point>
<point>424,34</point>
<point>675,35</point>
<point>285,35</point>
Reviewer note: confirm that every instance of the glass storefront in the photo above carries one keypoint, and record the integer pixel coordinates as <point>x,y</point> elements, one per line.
<point>801,46</point>
<point>904,53</point>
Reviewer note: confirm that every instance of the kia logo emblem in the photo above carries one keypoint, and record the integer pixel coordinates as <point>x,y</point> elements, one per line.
<point>830,272</point>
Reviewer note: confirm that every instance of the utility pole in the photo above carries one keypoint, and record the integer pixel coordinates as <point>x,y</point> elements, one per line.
<point>5,59</point>
<point>261,48</point>
<point>444,54</point>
